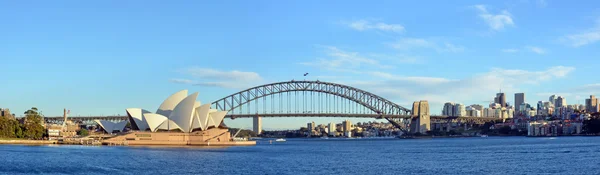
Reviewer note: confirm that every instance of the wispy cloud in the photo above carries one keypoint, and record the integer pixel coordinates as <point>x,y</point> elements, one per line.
<point>363,25</point>
<point>217,78</point>
<point>496,22</point>
<point>534,49</point>
<point>537,50</point>
<point>585,37</point>
<point>341,60</point>
<point>419,43</point>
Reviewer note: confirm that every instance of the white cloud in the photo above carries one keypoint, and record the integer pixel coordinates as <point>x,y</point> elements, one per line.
<point>341,60</point>
<point>363,25</point>
<point>537,50</point>
<point>182,81</point>
<point>496,22</point>
<point>227,79</point>
<point>417,43</point>
<point>510,50</point>
<point>438,90</point>
<point>585,37</point>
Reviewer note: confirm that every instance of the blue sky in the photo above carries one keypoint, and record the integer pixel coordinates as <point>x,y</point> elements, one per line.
<point>98,58</point>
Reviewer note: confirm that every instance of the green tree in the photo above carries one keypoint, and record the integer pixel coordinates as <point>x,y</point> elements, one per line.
<point>505,130</point>
<point>83,132</point>
<point>591,126</point>
<point>32,126</point>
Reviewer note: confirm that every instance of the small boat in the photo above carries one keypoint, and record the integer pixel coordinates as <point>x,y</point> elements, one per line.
<point>280,140</point>
<point>484,135</point>
<point>324,137</point>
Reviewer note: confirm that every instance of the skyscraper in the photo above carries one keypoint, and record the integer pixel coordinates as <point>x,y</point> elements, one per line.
<point>447,111</point>
<point>500,99</point>
<point>591,104</point>
<point>561,102</point>
<point>519,99</point>
<point>331,129</point>
<point>552,99</point>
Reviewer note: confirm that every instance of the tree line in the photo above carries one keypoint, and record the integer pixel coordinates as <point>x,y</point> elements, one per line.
<point>31,128</point>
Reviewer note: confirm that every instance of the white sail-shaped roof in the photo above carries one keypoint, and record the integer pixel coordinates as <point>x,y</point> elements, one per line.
<point>109,126</point>
<point>217,117</point>
<point>202,115</point>
<point>170,103</point>
<point>136,118</point>
<point>169,125</point>
<point>154,120</point>
<point>183,112</point>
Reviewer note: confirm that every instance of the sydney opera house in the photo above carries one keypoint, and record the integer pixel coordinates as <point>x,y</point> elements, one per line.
<point>180,120</point>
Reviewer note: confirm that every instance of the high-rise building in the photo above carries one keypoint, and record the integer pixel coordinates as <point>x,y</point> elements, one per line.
<point>591,104</point>
<point>561,102</point>
<point>519,99</point>
<point>331,129</point>
<point>346,126</point>
<point>448,109</point>
<point>310,126</point>
<point>552,99</point>
<point>459,110</point>
<point>500,99</point>
<point>257,125</point>
<point>477,106</point>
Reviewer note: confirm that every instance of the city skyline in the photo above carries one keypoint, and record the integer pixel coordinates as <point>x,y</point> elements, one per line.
<point>103,57</point>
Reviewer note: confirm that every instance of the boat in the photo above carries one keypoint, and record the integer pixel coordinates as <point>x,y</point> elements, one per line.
<point>280,140</point>
<point>484,135</point>
<point>324,137</point>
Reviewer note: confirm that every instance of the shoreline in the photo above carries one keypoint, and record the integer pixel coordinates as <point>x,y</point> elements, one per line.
<point>28,142</point>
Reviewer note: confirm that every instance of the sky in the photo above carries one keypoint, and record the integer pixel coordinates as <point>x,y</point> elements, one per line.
<point>99,58</point>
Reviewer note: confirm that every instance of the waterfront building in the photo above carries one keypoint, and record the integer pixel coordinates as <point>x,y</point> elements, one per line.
<point>310,127</point>
<point>495,105</point>
<point>187,122</point>
<point>498,113</point>
<point>5,112</point>
<point>591,104</point>
<point>561,101</point>
<point>346,127</point>
<point>331,129</point>
<point>530,112</point>
<point>552,99</point>
<point>459,110</point>
<point>500,99</point>
<point>478,107</point>
<point>523,107</point>
<point>519,100</point>
<point>448,109</point>
<point>489,112</point>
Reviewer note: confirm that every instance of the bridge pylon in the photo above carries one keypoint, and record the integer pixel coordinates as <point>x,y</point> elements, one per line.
<point>421,118</point>
<point>257,124</point>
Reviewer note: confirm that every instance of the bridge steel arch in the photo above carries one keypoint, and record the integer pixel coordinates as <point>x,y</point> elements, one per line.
<point>369,100</point>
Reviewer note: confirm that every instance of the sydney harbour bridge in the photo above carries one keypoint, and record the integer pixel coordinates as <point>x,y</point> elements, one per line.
<point>315,99</point>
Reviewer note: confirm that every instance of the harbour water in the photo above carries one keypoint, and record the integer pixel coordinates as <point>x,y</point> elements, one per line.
<point>492,155</point>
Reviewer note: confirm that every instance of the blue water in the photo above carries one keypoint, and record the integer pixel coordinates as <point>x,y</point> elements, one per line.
<point>492,155</point>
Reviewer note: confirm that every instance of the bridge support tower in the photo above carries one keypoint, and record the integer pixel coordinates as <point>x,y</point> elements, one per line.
<point>421,122</point>
<point>257,124</point>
